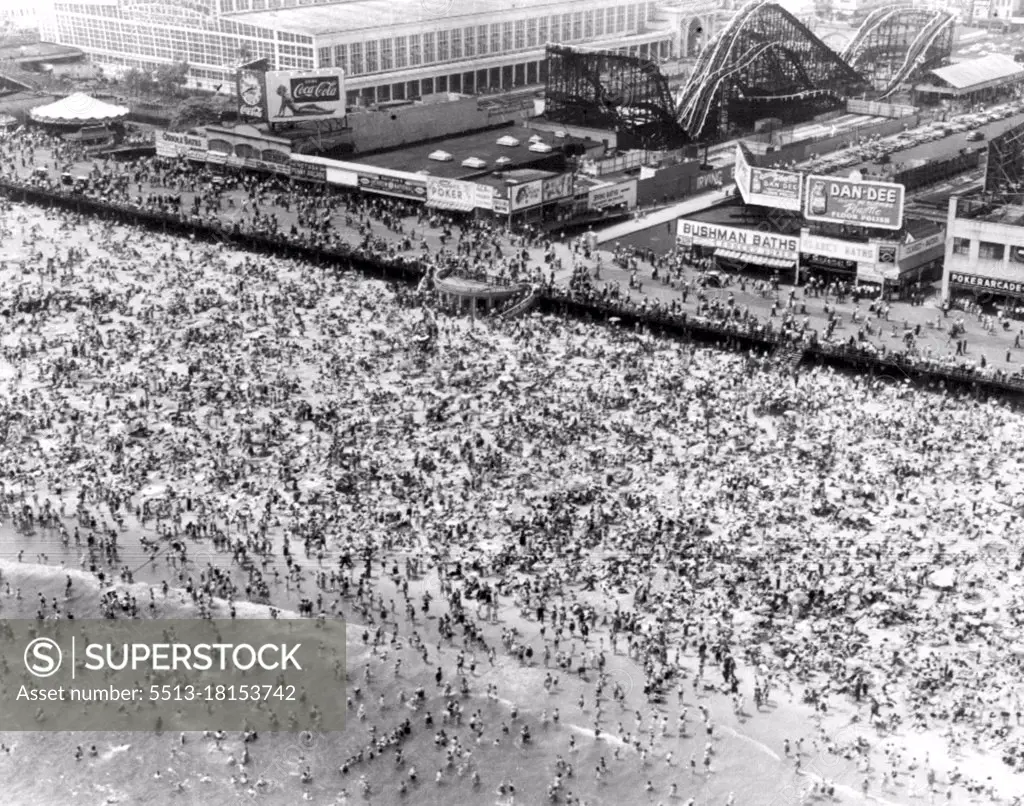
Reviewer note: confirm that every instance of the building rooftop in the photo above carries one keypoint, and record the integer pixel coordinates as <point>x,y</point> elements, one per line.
<point>482,145</point>
<point>355,15</point>
<point>37,51</point>
<point>979,209</point>
<point>735,214</point>
<point>974,72</point>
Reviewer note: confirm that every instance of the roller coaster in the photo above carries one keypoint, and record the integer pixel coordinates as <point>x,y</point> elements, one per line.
<point>764,64</point>
<point>612,91</point>
<point>894,44</point>
<point>767,64</point>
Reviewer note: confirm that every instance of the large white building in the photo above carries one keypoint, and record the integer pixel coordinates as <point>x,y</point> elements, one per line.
<point>389,49</point>
<point>19,14</point>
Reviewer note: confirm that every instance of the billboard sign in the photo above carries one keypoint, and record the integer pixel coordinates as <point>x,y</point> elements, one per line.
<point>839,249</point>
<point>709,180</point>
<point>309,171</point>
<point>500,205</point>
<point>251,88</point>
<point>1014,287</point>
<point>293,96</point>
<point>600,198</point>
<point>770,187</point>
<point>785,247</point>
<point>450,194</point>
<point>557,187</point>
<point>922,245</point>
<point>526,195</point>
<point>176,144</point>
<point>767,187</point>
<point>484,196</point>
<point>393,186</point>
<point>741,171</point>
<point>343,177</point>
<point>816,262</point>
<point>849,201</point>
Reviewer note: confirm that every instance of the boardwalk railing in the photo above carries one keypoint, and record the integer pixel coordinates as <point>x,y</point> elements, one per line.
<point>744,336</point>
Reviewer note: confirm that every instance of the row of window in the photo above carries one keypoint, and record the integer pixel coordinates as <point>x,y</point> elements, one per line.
<point>229,6</point>
<point>987,250</point>
<point>134,34</point>
<point>397,53</point>
<point>196,47</point>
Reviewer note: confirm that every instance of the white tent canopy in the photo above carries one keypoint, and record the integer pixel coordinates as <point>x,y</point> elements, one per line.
<point>78,109</point>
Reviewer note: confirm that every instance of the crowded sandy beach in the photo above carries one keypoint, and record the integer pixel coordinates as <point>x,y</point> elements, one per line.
<point>621,569</point>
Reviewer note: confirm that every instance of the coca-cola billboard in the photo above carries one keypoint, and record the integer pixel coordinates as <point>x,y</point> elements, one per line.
<point>318,88</point>
<point>293,96</point>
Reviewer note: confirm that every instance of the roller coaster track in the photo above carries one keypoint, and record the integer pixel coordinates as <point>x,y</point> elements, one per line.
<point>868,27</point>
<point>702,102</point>
<point>918,51</point>
<point>742,42</point>
<point>720,48</point>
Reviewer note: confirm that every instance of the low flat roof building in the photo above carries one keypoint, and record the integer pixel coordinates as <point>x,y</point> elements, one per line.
<point>973,79</point>
<point>480,153</point>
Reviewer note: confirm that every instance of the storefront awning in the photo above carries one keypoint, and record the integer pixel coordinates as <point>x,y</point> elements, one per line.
<point>451,204</point>
<point>756,258</point>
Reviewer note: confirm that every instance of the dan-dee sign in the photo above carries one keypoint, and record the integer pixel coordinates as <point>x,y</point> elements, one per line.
<point>770,187</point>
<point>624,193</point>
<point>785,247</point>
<point>297,96</point>
<point>450,194</point>
<point>836,248</point>
<point>987,283</point>
<point>174,144</point>
<point>850,201</point>
<point>766,187</point>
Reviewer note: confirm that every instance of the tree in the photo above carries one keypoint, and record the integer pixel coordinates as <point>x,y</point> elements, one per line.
<point>199,111</point>
<point>172,77</point>
<point>138,81</point>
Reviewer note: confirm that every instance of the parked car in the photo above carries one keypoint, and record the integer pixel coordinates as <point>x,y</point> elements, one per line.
<point>975,135</point>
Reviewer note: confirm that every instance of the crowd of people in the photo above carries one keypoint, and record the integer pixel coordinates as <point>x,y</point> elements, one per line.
<point>630,535</point>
